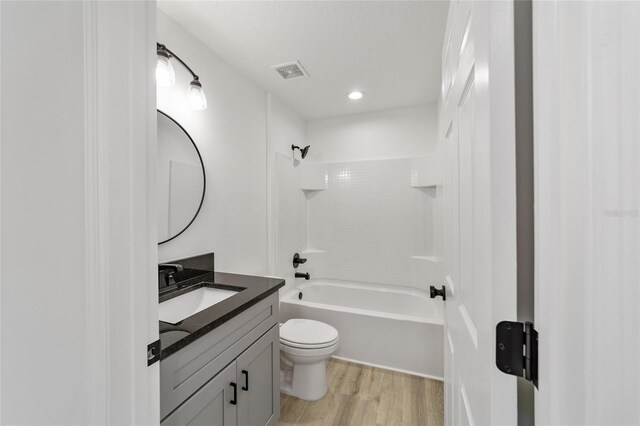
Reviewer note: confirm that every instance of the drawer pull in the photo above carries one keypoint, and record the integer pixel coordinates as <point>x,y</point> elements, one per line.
<point>234,401</point>
<point>246,380</point>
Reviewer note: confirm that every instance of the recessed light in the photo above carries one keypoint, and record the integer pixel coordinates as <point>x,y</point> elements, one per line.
<point>355,95</point>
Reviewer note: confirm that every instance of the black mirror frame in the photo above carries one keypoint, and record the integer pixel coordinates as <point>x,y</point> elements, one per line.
<point>204,178</point>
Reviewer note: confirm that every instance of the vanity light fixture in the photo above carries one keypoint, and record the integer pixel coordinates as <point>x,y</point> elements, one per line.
<point>165,76</point>
<point>355,95</point>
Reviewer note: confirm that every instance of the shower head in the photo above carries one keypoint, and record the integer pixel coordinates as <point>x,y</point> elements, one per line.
<point>303,151</point>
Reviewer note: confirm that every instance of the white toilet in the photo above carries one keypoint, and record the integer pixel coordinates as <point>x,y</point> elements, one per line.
<point>305,347</point>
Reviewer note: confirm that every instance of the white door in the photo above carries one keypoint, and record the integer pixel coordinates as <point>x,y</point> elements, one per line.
<point>78,220</point>
<point>478,142</point>
<point>587,160</point>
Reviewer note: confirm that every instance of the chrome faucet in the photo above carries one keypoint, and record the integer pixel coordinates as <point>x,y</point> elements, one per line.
<point>170,269</point>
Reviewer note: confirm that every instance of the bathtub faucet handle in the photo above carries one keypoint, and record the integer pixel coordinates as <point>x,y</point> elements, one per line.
<point>438,292</point>
<point>297,260</point>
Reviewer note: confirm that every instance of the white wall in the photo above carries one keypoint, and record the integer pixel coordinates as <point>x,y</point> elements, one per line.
<point>286,127</point>
<point>394,133</point>
<point>231,136</point>
<point>286,206</point>
<point>240,137</point>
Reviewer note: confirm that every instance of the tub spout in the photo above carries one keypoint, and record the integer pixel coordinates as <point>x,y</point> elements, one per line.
<point>306,276</point>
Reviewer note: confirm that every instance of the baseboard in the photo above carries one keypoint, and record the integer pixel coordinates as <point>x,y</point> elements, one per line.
<point>383,367</point>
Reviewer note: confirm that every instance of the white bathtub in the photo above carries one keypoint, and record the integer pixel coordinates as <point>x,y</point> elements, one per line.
<point>397,328</point>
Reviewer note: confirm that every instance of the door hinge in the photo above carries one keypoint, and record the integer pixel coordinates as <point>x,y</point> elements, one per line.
<point>517,350</point>
<point>153,352</point>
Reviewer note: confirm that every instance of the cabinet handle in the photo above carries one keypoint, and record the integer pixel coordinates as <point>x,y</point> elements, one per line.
<point>246,380</point>
<point>234,401</point>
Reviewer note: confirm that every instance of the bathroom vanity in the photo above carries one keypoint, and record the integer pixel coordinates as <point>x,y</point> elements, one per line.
<point>220,365</point>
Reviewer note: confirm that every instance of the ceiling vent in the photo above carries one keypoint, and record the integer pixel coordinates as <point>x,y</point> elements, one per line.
<point>290,70</point>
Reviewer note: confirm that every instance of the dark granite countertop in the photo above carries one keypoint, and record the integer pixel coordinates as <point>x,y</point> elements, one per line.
<point>252,289</point>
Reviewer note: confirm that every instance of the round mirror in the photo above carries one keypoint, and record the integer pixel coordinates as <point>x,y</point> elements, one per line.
<point>181,179</point>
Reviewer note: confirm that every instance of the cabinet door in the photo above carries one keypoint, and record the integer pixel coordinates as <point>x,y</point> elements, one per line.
<point>214,404</point>
<point>258,372</point>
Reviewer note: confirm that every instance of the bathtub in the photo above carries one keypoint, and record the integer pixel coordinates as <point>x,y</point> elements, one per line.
<point>392,327</point>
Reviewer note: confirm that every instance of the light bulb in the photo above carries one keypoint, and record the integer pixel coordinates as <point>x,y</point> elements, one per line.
<point>164,70</point>
<point>196,95</point>
<point>355,95</point>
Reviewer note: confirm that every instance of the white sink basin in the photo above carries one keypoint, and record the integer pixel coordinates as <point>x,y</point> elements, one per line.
<point>183,306</point>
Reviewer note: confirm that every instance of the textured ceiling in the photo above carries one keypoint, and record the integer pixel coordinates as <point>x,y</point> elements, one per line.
<point>388,49</point>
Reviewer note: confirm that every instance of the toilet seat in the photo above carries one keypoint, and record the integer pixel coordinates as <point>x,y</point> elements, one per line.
<point>307,334</point>
<point>309,353</point>
<point>297,345</point>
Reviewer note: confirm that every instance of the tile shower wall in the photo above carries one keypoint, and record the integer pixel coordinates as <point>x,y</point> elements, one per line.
<point>370,222</point>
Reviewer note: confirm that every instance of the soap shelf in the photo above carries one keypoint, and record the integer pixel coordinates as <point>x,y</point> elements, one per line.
<point>313,177</point>
<point>425,171</point>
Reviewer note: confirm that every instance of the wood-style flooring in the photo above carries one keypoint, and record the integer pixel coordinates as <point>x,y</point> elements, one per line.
<point>363,396</point>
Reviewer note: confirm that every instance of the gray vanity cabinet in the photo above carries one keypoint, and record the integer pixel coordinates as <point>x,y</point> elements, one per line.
<point>211,405</point>
<point>258,371</point>
<point>229,377</point>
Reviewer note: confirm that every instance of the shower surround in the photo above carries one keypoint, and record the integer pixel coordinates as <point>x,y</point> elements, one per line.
<point>371,226</point>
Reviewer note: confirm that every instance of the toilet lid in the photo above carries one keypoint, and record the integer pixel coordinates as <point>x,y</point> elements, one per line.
<point>286,343</point>
<point>307,332</point>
